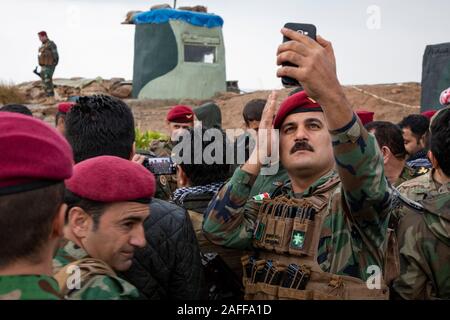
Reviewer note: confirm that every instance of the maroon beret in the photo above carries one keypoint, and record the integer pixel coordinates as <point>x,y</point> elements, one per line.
<point>429,113</point>
<point>180,114</point>
<point>299,102</point>
<point>111,179</point>
<point>365,116</point>
<point>32,154</point>
<point>65,107</point>
<point>42,33</point>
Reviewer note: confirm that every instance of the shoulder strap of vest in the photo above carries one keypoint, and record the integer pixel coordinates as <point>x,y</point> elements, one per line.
<point>88,267</point>
<point>281,190</point>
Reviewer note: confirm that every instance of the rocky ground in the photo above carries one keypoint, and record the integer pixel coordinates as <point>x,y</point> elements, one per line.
<point>389,101</point>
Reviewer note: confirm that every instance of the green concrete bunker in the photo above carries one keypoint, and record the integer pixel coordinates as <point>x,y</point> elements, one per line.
<point>178,55</point>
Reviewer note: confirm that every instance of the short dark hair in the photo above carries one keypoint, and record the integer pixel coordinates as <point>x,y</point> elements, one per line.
<point>94,208</point>
<point>440,140</point>
<point>17,108</point>
<point>389,135</point>
<point>417,123</point>
<point>203,174</point>
<point>26,221</point>
<point>100,125</point>
<point>253,110</point>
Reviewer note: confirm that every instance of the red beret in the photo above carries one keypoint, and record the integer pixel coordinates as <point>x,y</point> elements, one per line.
<point>111,179</point>
<point>42,33</point>
<point>365,116</point>
<point>180,114</point>
<point>299,102</point>
<point>33,154</point>
<point>429,113</point>
<point>65,107</point>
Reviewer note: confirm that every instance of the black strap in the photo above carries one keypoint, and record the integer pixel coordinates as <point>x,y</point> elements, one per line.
<point>38,184</point>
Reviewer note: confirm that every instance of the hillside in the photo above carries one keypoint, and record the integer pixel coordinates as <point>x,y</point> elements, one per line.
<point>389,101</point>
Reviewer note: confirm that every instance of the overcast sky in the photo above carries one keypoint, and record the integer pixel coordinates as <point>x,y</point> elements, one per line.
<point>376,41</point>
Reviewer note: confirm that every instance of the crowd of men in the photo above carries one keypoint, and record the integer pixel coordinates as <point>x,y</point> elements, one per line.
<point>356,208</point>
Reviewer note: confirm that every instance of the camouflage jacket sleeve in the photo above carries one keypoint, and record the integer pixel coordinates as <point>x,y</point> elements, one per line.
<point>424,242</point>
<point>367,195</point>
<point>230,217</point>
<point>54,52</point>
<point>102,287</point>
<point>411,283</point>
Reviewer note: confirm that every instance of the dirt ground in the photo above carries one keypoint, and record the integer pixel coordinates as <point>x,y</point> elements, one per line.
<point>389,102</point>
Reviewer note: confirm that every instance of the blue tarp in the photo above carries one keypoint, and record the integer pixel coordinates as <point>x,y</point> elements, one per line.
<point>164,15</point>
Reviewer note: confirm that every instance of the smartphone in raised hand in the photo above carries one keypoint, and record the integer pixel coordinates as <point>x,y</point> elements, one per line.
<point>305,29</point>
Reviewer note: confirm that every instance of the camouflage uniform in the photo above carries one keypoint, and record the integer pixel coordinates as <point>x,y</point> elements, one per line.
<point>48,59</point>
<point>29,287</point>
<point>354,229</point>
<point>166,184</point>
<point>422,187</point>
<point>417,189</point>
<point>424,242</point>
<point>409,173</point>
<point>95,287</point>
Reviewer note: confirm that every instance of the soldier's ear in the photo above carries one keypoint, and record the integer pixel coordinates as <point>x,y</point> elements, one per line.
<point>386,152</point>
<point>80,223</point>
<point>433,160</point>
<point>182,179</point>
<point>421,142</point>
<point>133,151</point>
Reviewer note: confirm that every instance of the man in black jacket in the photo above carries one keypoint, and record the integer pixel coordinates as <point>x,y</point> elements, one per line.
<point>170,266</point>
<point>198,182</point>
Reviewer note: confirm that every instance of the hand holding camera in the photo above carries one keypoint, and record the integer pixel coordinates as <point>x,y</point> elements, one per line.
<point>308,59</point>
<point>315,68</point>
<point>160,166</point>
<point>308,30</point>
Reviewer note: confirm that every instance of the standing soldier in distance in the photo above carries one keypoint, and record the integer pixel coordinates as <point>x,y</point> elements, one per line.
<point>48,59</point>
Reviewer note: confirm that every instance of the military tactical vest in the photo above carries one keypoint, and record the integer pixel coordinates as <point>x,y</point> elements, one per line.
<point>46,55</point>
<point>287,232</point>
<point>88,267</point>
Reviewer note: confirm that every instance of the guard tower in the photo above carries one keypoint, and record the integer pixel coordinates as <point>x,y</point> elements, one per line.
<point>178,54</point>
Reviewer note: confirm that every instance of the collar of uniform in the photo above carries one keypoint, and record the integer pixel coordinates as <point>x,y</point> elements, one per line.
<point>74,251</point>
<point>409,173</point>
<point>440,188</point>
<point>316,186</point>
<point>29,287</point>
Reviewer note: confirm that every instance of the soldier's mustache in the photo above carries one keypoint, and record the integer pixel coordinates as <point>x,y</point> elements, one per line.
<point>301,145</point>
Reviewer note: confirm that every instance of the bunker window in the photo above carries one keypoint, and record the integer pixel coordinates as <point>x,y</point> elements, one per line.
<point>199,53</point>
